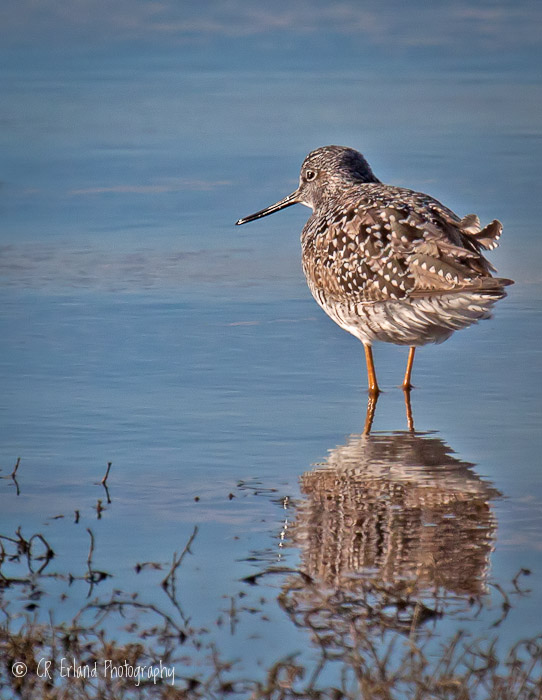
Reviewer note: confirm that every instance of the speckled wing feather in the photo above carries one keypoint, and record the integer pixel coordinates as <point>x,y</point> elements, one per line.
<point>385,242</point>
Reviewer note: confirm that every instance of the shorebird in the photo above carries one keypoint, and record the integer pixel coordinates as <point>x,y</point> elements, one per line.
<point>388,263</point>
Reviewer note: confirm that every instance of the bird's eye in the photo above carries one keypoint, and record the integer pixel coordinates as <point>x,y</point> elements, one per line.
<point>310,175</point>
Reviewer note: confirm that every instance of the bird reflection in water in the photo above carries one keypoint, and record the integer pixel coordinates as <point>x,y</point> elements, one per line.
<point>388,522</point>
<point>397,506</point>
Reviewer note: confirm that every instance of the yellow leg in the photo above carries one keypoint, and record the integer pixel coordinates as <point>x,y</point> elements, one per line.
<point>371,374</point>
<point>407,386</point>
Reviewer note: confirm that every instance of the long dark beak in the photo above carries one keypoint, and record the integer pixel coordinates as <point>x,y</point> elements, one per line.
<point>286,202</point>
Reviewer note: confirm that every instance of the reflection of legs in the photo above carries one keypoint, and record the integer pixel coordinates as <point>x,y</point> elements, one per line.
<point>408,407</point>
<point>371,374</point>
<point>407,386</point>
<point>371,405</point>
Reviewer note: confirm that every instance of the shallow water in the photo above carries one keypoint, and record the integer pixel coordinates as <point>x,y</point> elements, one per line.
<point>140,327</point>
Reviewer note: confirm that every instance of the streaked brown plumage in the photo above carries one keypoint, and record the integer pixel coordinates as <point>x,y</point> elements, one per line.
<point>387,263</point>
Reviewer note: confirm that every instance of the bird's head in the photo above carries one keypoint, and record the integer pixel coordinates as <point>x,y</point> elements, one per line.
<point>325,173</point>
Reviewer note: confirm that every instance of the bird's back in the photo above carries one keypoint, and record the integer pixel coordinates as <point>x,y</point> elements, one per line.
<point>376,243</point>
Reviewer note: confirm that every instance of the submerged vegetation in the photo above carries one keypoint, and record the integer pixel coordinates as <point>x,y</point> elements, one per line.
<point>374,639</point>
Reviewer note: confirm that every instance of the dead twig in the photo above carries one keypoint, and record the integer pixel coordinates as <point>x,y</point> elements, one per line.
<point>14,472</point>
<point>93,576</point>
<point>104,480</point>
<point>177,562</point>
<point>169,582</point>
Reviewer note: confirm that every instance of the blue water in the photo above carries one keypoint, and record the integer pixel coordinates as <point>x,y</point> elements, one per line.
<point>139,326</point>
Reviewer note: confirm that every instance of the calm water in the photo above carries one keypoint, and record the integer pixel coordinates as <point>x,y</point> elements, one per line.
<point>139,326</point>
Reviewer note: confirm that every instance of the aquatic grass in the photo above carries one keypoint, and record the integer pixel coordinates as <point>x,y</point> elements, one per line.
<point>379,639</point>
